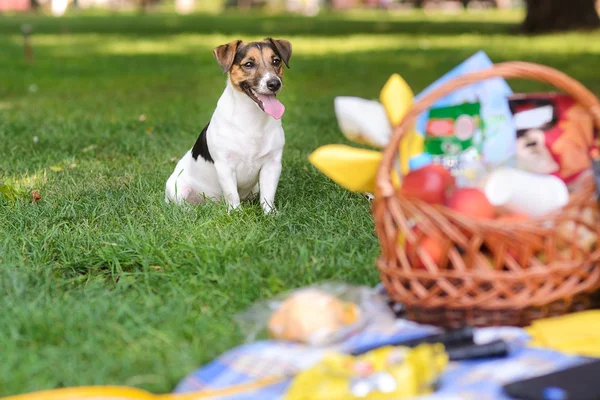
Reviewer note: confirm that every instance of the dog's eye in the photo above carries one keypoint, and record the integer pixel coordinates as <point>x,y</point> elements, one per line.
<point>249,65</point>
<point>276,61</point>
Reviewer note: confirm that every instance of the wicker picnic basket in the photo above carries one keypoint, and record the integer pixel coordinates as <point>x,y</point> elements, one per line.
<point>537,268</point>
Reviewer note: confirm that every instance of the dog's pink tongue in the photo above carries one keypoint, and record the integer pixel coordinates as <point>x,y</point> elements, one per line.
<point>272,106</point>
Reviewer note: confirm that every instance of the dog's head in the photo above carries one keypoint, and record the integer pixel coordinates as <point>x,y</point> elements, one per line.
<point>256,69</point>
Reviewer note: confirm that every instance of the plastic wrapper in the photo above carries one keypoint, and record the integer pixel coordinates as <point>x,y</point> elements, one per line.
<point>454,139</point>
<point>384,373</point>
<point>319,315</point>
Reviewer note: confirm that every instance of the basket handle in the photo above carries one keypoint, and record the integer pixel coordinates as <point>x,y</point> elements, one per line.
<point>512,69</point>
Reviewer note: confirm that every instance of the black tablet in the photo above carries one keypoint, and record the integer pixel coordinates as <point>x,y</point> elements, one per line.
<point>579,382</point>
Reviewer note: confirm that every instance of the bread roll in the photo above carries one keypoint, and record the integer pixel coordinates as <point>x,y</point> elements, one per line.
<point>310,316</point>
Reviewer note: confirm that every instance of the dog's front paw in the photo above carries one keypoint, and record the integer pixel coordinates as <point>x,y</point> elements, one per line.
<point>271,212</point>
<point>232,207</point>
<point>269,209</point>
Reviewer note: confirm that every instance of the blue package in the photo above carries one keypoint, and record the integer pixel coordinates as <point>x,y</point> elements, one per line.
<point>419,161</point>
<point>499,145</point>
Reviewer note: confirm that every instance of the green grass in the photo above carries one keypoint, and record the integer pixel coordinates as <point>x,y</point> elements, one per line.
<point>101,282</point>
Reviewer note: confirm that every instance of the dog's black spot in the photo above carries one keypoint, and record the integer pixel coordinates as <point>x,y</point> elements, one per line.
<point>270,46</point>
<point>201,147</point>
<point>241,53</point>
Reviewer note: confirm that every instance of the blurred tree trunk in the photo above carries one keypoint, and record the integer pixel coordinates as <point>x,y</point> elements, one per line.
<point>560,15</point>
<point>245,4</point>
<point>143,6</point>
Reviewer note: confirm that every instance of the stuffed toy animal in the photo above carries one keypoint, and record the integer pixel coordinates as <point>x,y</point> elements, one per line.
<point>554,134</point>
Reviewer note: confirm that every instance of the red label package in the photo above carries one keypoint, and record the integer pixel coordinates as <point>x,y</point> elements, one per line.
<point>554,134</point>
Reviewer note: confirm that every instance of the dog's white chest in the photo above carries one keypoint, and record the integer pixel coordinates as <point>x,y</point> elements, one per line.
<point>251,152</point>
<point>247,174</point>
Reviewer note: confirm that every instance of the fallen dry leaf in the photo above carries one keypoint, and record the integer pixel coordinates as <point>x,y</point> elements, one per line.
<point>36,196</point>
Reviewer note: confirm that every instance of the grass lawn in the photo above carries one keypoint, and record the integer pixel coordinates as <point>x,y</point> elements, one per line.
<point>101,282</point>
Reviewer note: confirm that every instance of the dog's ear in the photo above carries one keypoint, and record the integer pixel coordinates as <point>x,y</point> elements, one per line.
<point>225,54</point>
<point>284,49</point>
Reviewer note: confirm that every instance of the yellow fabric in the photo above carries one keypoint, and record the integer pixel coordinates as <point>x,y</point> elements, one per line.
<point>352,168</point>
<point>356,169</point>
<point>577,333</point>
<point>87,393</point>
<point>411,144</point>
<point>397,98</point>
<point>125,393</point>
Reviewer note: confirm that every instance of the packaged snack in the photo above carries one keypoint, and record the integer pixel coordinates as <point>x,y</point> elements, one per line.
<point>384,373</point>
<point>554,134</point>
<point>319,315</point>
<point>311,316</point>
<point>454,138</point>
<point>498,146</point>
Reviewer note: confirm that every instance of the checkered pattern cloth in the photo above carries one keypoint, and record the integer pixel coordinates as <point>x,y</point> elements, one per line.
<point>477,380</point>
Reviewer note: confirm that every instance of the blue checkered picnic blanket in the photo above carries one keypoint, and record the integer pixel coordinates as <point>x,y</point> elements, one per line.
<point>477,380</point>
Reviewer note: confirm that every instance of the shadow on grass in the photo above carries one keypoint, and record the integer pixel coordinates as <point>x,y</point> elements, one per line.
<point>253,24</point>
<point>116,80</point>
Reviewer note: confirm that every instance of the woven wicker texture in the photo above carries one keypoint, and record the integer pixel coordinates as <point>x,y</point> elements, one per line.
<point>491,272</point>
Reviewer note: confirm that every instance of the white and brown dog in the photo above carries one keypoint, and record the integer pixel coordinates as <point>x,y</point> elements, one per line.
<point>238,154</point>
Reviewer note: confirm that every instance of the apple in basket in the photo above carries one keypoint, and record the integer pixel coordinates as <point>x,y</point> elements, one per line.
<point>432,247</point>
<point>431,184</point>
<point>471,202</point>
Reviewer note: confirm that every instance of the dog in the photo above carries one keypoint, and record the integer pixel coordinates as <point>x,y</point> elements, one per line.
<point>238,153</point>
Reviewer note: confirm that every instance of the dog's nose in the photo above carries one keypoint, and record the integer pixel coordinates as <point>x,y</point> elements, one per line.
<point>274,85</point>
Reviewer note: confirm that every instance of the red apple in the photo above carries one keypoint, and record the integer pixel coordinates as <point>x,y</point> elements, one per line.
<point>449,180</point>
<point>433,247</point>
<point>429,184</point>
<point>471,202</point>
